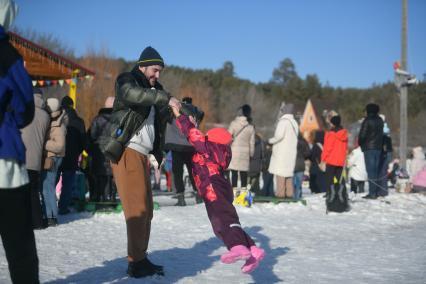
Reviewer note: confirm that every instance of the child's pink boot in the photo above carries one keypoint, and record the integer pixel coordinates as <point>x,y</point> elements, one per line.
<point>257,254</point>
<point>239,252</point>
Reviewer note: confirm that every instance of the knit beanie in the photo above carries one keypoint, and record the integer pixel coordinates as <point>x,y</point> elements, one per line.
<point>219,136</point>
<point>150,56</point>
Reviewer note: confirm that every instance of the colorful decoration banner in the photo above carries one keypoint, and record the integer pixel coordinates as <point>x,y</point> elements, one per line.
<point>41,83</point>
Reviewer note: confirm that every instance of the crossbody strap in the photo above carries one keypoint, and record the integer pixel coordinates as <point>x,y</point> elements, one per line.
<point>241,130</point>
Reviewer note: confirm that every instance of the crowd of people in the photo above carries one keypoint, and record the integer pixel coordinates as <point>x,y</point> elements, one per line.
<point>42,140</point>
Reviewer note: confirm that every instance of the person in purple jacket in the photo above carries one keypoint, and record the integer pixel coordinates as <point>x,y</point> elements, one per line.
<point>210,160</point>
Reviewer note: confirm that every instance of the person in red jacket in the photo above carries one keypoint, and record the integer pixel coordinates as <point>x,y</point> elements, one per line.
<point>335,150</point>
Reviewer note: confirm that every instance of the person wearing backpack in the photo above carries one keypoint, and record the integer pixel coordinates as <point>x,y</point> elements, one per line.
<point>334,156</point>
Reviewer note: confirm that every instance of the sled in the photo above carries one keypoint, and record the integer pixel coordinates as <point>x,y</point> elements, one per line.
<point>277,200</point>
<point>103,207</point>
<point>244,198</point>
<point>98,207</point>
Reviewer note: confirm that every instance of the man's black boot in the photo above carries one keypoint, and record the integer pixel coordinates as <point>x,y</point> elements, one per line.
<point>157,268</point>
<point>143,268</point>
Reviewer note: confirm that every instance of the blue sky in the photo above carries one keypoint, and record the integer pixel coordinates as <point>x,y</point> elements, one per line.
<point>348,43</point>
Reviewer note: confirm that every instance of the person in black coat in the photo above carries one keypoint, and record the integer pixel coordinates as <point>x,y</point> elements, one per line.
<point>103,182</point>
<point>75,143</point>
<point>370,139</point>
<point>316,175</point>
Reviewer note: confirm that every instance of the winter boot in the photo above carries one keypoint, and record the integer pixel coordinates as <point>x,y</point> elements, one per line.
<point>181,199</point>
<point>238,252</point>
<point>257,254</point>
<point>143,268</point>
<point>52,222</point>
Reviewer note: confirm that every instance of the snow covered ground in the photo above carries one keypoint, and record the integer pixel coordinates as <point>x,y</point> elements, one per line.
<point>375,242</point>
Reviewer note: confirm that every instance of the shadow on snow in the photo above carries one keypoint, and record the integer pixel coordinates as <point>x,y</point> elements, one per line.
<point>180,263</point>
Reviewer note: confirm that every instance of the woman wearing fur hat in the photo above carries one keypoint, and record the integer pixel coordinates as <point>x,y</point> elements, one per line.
<point>210,160</point>
<point>54,152</point>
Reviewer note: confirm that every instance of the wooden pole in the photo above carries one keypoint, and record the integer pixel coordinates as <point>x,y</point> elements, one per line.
<point>404,91</point>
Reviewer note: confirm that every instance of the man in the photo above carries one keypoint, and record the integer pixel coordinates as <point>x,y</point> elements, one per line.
<point>371,141</point>
<point>16,112</point>
<point>139,116</point>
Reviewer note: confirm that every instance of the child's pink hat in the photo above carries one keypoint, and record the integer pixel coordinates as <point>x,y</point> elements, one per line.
<point>219,136</point>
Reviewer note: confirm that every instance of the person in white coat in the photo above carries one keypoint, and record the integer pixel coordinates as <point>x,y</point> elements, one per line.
<point>242,147</point>
<point>357,170</point>
<point>284,150</point>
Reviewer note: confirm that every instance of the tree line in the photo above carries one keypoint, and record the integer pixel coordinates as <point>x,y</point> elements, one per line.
<point>219,92</point>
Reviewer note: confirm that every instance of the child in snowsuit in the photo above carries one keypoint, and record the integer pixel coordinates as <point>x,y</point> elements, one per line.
<point>211,158</point>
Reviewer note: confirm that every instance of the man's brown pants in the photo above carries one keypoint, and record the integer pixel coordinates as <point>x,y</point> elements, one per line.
<point>132,177</point>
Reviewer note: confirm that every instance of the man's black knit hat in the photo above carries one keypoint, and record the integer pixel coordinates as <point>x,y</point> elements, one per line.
<point>150,56</point>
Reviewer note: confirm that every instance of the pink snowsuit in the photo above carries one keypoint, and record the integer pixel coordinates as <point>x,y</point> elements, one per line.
<point>209,162</point>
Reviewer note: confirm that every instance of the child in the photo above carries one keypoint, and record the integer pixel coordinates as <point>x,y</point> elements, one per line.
<point>210,160</point>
